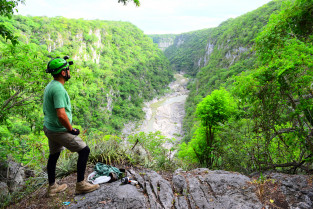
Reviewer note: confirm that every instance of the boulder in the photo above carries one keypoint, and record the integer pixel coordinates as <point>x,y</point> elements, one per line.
<point>13,174</point>
<point>112,195</point>
<point>4,189</point>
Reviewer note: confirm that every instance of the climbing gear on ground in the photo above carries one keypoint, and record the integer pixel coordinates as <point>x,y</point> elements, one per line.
<point>84,187</point>
<point>125,180</point>
<point>128,180</point>
<point>99,180</point>
<point>55,188</point>
<point>105,173</point>
<point>75,131</point>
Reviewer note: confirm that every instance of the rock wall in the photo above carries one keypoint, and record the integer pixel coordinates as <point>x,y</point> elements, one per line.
<point>163,41</point>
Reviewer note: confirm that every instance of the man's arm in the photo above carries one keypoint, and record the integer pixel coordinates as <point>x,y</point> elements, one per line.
<point>64,119</point>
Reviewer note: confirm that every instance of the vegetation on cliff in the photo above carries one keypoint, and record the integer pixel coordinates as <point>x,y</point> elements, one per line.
<point>271,84</point>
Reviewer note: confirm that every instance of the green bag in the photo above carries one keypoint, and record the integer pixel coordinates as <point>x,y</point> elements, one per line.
<point>106,170</point>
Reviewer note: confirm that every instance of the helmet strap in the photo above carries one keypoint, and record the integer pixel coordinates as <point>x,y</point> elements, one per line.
<point>67,76</point>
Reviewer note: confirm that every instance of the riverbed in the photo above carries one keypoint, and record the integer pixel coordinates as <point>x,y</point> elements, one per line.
<point>165,114</point>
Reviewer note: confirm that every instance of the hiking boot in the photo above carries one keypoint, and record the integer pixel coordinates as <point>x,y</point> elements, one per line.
<point>84,187</point>
<point>55,188</point>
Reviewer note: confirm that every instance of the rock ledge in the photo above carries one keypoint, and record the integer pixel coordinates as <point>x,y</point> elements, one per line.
<point>202,188</point>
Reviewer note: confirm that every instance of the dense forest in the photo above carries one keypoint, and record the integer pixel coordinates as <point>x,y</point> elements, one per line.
<point>250,105</point>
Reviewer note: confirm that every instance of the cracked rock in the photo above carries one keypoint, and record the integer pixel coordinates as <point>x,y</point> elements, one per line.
<point>199,188</point>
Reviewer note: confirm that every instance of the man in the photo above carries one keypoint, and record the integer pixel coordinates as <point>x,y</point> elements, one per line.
<point>58,128</point>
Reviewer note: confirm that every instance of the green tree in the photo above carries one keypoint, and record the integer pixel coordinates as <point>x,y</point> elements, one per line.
<point>137,3</point>
<point>214,110</point>
<point>22,80</point>
<point>6,10</point>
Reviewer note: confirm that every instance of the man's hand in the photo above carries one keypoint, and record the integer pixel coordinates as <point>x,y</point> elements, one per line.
<point>75,131</point>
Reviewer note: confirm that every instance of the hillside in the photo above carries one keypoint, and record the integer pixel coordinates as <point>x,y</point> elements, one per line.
<point>246,109</point>
<point>116,68</point>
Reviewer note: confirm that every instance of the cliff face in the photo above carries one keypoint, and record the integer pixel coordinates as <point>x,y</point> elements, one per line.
<point>163,41</point>
<point>219,47</point>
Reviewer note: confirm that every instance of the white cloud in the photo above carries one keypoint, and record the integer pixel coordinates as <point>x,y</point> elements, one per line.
<point>153,16</point>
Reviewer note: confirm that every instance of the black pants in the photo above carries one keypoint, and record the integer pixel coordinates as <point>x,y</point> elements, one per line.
<point>81,165</point>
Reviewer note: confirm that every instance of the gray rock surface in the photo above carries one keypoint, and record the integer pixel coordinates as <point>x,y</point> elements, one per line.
<point>199,188</point>
<point>112,195</point>
<point>13,174</point>
<point>297,189</point>
<point>4,189</point>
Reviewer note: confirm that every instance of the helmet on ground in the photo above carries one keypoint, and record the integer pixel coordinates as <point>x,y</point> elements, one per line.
<point>58,64</point>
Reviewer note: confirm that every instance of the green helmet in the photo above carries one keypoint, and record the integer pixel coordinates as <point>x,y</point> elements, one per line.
<point>58,64</point>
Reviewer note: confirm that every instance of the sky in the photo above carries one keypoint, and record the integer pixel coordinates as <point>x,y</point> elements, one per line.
<point>152,16</point>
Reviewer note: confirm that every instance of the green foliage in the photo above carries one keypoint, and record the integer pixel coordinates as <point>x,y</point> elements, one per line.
<point>27,149</point>
<point>21,87</point>
<point>124,68</point>
<point>21,83</point>
<point>278,95</point>
<point>215,108</point>
<point>108,149</point>
<point>8,7</point>
<point>136,2</point>
<point>272,129</point>
<point>112,150</point>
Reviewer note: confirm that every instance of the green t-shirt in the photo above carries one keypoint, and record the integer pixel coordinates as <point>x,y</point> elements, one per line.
<point>55,96</point>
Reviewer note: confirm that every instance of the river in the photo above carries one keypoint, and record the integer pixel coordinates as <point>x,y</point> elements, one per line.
<point>165,114</point>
